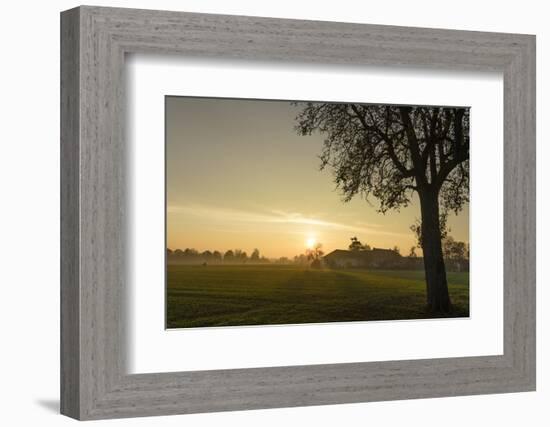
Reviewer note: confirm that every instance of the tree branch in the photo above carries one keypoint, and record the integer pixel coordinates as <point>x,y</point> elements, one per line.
<point>413,145</point>
<point>389,143</point>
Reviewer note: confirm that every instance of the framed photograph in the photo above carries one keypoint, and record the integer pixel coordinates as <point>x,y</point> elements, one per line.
<point>262,213</point>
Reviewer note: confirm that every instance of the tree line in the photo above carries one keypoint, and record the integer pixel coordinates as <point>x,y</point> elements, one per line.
<point>312,257</point>
<point>231,256</point>
<point>455,253</point>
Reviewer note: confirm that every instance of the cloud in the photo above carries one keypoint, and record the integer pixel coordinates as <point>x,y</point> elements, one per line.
<point>228,215</point>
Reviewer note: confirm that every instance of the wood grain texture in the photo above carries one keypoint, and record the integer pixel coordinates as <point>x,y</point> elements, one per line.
<point>94,381</point>
<point>70,291</point>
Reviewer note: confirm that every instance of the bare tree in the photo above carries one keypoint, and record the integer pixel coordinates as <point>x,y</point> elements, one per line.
<point>314,255</point>
<point>391,152</point>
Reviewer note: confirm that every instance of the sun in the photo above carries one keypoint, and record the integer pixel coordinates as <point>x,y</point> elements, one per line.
<point>310,242</point>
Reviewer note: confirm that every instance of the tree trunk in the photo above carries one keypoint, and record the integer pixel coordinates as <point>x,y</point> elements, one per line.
<point>438,300</point>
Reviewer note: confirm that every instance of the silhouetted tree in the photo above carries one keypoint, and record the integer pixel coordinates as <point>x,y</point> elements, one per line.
<point>355,244</point>
<point>454,250</point>
<point>229,256</point>
<point>314,255</point>
<point>190,253</point>
<point>391,152</point>
<point>412,252</point>
<point>457,253</point>
<point>240,256</point>
<point>217,256</point>
<point>255,255</point>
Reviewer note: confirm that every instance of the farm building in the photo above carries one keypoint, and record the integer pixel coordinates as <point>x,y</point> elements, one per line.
<point>374,258</point>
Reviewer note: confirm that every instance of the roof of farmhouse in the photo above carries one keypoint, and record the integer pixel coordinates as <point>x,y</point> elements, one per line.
<point>342,253</point>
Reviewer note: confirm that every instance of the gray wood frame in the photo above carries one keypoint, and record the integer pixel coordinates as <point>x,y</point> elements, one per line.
<point>94,382</point>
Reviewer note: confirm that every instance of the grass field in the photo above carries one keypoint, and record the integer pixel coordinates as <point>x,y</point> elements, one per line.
<point>285,294</point>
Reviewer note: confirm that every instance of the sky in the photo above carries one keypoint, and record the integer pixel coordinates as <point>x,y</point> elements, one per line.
<point>238,176</point>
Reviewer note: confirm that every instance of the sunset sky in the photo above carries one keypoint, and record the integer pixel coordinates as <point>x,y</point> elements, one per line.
<point>239,177</point>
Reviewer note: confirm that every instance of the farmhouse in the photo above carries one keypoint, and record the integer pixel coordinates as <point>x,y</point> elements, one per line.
<point>374,258</point>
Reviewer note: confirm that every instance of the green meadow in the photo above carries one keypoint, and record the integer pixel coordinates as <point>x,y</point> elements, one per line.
<point>222,295</point>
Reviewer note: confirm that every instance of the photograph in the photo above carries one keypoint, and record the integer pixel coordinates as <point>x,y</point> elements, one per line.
<point>292,212</point>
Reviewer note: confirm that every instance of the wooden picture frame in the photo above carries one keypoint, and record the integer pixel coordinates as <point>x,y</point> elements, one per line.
<point>94,382</point>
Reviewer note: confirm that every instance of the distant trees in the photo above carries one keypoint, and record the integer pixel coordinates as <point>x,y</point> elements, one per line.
<point>456,253</point>
<point>255,256</point>
<point>314,255</point>
<point>191,253</point>
<point>211,257</point>
<point>240,256</point>
<point>356,245</point>
<point>301,259</point>
<point>231,256</point>
<point>453,249</point>
<point>207,256</point>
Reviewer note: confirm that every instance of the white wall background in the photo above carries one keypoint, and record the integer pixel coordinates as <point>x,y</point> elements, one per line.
<point>29,217</point>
